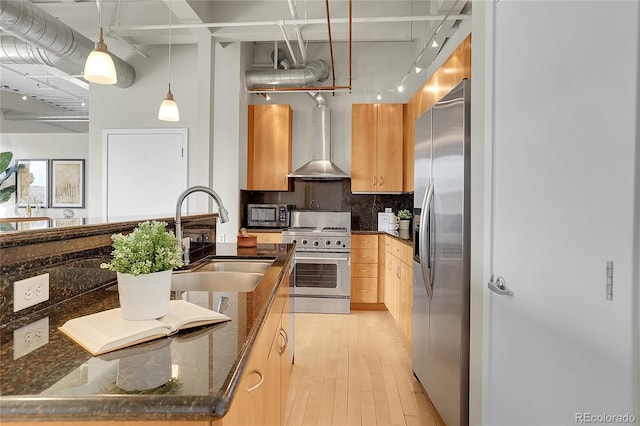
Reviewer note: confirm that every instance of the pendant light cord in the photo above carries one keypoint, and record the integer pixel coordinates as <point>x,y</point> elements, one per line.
<point>169,45</point>
<point>99,13</point>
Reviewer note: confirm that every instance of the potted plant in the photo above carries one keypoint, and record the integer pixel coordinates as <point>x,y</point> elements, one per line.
<point>7,172</point>
<point>405,218</point>
<point>143,261</point>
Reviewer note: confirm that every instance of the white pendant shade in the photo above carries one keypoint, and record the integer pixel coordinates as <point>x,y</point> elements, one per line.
<point>169,109</point>
<point>99,67</point>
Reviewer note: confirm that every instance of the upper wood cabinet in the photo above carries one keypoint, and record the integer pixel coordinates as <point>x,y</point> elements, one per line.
<point>269,136</point>
<point>377,148</point>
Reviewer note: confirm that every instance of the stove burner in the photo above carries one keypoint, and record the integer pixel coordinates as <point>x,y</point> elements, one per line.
<point>334,229</point>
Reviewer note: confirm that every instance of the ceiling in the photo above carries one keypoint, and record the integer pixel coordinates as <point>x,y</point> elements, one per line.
<point>41,92</point>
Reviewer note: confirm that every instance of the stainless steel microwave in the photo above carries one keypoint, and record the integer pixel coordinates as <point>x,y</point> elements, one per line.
<point>267,215</point>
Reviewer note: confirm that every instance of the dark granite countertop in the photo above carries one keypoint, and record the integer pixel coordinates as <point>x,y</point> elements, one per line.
<point>189,376</point>
<point>406,238</point>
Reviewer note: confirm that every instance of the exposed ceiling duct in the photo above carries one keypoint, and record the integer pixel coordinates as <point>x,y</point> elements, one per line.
<point>315,71</point>
<point>56,117</point>
<point>16,51</point>
<point>28,22</point>
<point>320,166</point>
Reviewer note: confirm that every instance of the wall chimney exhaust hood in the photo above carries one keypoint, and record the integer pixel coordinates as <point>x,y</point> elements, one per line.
<point>320,166</point>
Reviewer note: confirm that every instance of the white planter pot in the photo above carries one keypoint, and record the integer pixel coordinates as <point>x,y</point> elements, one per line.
<point>404,223</point>
<point>144,297</point>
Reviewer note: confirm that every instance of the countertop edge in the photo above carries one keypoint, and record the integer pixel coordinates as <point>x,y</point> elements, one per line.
<point>29,408</point>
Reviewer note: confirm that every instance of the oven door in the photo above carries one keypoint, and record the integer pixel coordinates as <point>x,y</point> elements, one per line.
<point>322,274</point>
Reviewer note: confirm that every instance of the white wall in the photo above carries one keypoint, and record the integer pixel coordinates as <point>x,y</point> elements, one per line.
<point>230,132</point>
<point>137,107</point>
<point>48,146</point>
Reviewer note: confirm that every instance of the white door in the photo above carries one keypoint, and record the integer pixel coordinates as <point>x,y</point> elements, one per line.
<point>565,105</point>
<point>145,171</point>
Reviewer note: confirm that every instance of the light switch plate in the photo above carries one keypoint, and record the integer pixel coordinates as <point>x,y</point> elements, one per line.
<point>30,291</point>
<point>30,337</point>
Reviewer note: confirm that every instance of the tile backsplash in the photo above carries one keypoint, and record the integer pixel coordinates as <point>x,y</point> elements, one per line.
<point>332,195</point>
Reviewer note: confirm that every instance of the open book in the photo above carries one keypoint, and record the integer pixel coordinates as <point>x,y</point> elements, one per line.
<point>107,331</point>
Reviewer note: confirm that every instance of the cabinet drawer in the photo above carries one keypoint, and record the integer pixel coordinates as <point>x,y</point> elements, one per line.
<point>364,256</point>
<point>364,270</point>
<point>364,241</point>
<point>364,290</point>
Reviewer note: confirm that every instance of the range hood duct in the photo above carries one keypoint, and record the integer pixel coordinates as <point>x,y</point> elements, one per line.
<point>314,71</point>
<point>28,22</point>
<point>320,167</point>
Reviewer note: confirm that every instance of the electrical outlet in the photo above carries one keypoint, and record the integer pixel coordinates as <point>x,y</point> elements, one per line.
<point>221,237</point>
<point>30,337</point>
<point>30,291</point>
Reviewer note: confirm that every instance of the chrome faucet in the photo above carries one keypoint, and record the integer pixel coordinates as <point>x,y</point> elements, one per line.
<point>223,213</point>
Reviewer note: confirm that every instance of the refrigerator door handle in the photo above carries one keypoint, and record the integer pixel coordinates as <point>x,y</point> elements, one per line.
<point>425,240</point>
<point>499,286</point>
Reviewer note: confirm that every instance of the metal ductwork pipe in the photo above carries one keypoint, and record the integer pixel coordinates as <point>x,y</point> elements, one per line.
<point>57,117</point>
<point>282,62</point>
<point>33,25</point>
<point>317,70</point>
<point>16,51</point>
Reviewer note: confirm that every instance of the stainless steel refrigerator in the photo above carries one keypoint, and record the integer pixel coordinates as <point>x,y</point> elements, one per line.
<point>441,254</point>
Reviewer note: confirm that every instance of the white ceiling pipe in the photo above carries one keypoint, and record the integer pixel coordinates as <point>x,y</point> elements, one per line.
<point>11,115</point>
<point>314,21</point>
<point>286,40</point>
<point>296,27</point>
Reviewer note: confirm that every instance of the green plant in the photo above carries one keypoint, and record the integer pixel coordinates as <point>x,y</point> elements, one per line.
<point>7,171</point>
<point>147,249</point>
<point>404,214</point>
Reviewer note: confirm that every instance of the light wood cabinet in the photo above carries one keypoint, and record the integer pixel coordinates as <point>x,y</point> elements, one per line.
<point>377,148</point>
<point>268,237</point>
<point>398,283</point>
<point>261,395</point>
<point>269,147</point>
<point>364,268</point>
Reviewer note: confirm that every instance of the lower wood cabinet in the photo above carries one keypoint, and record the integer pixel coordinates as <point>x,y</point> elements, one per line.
<point>398,283</point>
<point>261,395</point>
<point>364,268</point>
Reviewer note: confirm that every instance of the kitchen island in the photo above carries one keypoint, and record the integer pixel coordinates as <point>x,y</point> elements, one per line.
<point>190,376</point>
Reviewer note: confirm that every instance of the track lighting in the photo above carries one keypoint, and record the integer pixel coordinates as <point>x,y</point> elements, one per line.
<point>418,69</point>
<point>435,43</point>
<point>379,96</point>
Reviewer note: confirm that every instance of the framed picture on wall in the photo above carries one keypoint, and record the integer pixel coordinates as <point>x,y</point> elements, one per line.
<point>32,183</point>
<point>67,183</point>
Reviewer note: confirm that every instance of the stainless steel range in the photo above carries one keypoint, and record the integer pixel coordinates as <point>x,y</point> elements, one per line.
<point>322,273</point>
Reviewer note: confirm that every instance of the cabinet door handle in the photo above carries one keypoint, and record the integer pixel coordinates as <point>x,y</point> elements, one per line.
<point>285,340</point>
<point>381,180</point>
<point>374,181</point>
<point>257,385</point>
<point>398,272</point>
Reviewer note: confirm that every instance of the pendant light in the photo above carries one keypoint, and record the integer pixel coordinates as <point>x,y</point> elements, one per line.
<point>168,108</point>
<point>99,67</point>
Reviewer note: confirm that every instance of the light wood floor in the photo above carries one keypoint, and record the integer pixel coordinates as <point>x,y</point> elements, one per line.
<point>354,370</point>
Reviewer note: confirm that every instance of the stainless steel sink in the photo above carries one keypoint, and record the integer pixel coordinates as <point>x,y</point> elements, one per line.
<point>240,275</point>
<point>215,281</point>
<point>259,267</point>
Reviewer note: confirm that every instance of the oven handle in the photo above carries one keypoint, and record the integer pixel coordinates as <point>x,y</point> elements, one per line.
<point>325,259</point>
